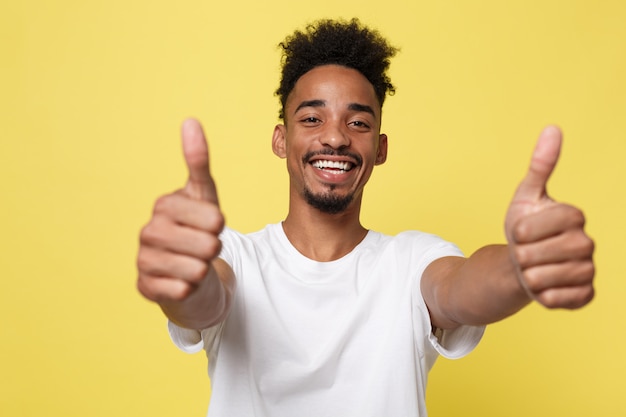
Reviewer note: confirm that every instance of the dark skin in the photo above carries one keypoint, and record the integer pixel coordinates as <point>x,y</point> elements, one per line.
<point>548,257</point>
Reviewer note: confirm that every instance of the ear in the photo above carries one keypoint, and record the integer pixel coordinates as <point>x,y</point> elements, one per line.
<point>278,141</point>
<point>381,155</point>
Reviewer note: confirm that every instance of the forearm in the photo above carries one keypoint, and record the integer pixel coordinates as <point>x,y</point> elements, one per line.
<point>208,304</point>
<point>479,290</point>
<point>548,251</point>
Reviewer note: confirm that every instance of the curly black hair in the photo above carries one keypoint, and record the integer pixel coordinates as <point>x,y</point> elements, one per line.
<point>346,43</point>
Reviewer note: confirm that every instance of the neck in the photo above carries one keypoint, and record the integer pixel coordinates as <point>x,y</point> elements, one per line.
<point>324,237</point>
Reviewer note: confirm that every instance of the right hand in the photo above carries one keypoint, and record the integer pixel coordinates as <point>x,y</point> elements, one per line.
<point>181,240</point>
<point>548,245</point>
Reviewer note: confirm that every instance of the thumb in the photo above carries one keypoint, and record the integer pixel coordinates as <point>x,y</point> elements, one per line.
<point>200,184</point>
<point>544,159</point>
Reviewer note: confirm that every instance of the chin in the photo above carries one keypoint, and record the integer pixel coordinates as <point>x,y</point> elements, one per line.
<point>328,203</point>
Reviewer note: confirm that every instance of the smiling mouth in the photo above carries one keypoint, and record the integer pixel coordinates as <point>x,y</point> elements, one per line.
<point>333,161</point>
<point>333,166</point>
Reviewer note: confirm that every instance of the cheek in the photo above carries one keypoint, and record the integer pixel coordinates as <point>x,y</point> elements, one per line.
<point>294,150</point>
<point>294,166</point>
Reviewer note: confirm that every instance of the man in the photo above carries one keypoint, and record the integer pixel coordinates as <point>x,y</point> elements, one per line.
<point>319,316</point>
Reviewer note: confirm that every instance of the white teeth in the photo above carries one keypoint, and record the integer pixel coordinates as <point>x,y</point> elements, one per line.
<point>321,164</point>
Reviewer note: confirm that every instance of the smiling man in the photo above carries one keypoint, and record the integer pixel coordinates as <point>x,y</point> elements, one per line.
<point>331,140</point>
<point>318,315</point>
<point>349,132</point>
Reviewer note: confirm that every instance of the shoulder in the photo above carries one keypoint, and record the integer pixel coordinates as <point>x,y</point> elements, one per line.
<point>414,249</point>
<point>411,240</point>
<point>231,235</point>
<point>236,244</point>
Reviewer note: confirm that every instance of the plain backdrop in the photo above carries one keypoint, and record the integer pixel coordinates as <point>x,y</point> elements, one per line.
<point>92,95</point>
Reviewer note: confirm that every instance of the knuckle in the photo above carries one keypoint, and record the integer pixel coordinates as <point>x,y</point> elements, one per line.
<point>175,290</point>
<point>160,205</point>
<point>578,216</point>
<point>165,203</point>
<point>521,231</point>
<point>148,262</point>
<point>589,245</point>
<point>550,299</point>
<point>581,246</point>
<point>533,281</point>
<point>589,295</point>
<point>181,292</point>
<point>144,234</point>
<point>198,273</point>
<point>580,297</point>
<point>218,247</point>
<point>567,298</point>
<point>573,216</point>
<point>522,255</point>
<point>144,289</point>
<point>149,233</point>
<point>210,248</point>
<point>142,261</point>
<point>588,271</point>
<point>156,232</point>
<point>219,220</point>
<point>215,220</point>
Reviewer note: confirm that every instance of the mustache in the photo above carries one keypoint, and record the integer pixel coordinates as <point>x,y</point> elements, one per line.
<point>332,152</point>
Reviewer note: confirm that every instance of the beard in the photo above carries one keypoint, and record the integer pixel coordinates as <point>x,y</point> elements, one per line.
<point>328,203</point>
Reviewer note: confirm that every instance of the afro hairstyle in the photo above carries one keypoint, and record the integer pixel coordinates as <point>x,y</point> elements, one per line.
<point>346,43</point>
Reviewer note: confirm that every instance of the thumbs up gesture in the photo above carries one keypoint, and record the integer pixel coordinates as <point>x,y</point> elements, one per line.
<point>547,242</point>
<point>200,185</point>
<point>181,240</point>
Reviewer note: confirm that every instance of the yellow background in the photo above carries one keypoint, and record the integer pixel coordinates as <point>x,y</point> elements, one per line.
<point>92,95</point>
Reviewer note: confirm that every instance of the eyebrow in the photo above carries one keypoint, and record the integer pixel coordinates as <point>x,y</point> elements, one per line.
<point>310,103</point>
<point>361,108</point>
<point>321,103</point>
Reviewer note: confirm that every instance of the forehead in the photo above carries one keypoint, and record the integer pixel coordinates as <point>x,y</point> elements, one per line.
<point>334,84</point>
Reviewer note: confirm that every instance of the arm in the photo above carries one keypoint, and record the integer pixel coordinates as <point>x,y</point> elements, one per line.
<point>177,261</point>
<point>548,258</point>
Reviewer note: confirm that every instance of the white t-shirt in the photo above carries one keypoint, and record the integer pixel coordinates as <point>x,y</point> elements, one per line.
<point>351,337</point>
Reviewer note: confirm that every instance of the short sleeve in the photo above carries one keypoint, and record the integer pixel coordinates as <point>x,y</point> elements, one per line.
<point>187,340</point>
<point>192,341</point>
<point>451,344</point>
<point>456,343</point>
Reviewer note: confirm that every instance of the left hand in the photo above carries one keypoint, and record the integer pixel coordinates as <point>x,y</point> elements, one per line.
<point>548,246</point>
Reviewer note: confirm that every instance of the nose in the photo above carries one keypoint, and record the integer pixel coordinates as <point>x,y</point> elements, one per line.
<point>335,136</point>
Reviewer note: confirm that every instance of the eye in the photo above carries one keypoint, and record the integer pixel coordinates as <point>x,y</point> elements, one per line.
<point>359,124</point>
<point>310,120</point>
